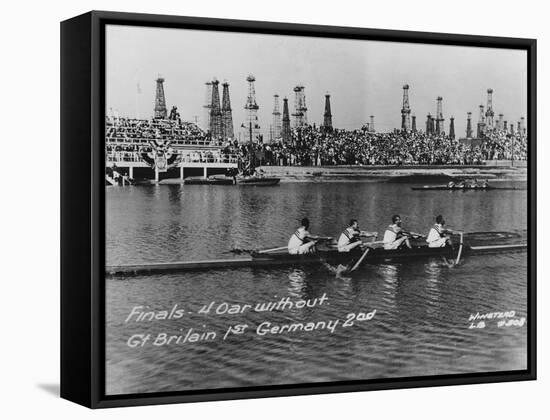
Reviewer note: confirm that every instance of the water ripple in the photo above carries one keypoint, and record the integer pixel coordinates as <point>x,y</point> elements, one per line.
<point>421,326</point>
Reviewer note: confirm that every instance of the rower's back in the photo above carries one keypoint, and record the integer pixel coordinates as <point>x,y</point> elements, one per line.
<point>390,235</point>
<point>298,238</point>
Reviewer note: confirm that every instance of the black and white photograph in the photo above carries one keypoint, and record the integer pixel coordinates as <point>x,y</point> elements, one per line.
<point>284,210</point>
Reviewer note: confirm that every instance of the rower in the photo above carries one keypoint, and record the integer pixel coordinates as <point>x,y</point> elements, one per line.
<point>461,184</point>
<point>351,237</point>
<point>439,236</point>
<point>451,185</point>
<point>301,241</point>
<point>485,184</point>
<point>394,236</point>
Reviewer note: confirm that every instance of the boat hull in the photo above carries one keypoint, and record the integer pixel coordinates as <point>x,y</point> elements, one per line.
<point>331,257</point>
<point>208,181</point>
<point>335,258</point>
<point>446,188</point>
<point>259,181</point>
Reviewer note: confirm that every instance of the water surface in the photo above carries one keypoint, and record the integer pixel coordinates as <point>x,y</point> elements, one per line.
<point>421,325</point>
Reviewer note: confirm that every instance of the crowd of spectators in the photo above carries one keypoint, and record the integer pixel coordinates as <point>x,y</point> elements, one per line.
<point>123,130</point>
<point>128,139</point>
<point>500,145</point>
<point>313,146</point>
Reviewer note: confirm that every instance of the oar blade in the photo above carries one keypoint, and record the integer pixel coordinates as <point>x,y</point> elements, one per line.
<point>360,260</point>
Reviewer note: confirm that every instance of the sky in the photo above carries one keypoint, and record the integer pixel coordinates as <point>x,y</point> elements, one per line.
<point>363,77</point>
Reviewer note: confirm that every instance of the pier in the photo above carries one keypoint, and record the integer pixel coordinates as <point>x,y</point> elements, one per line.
<point>206,159</point>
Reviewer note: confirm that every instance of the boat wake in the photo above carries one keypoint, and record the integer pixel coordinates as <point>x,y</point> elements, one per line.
<point>297,275</point>
<point>442,263</point>
<point>338,270</point>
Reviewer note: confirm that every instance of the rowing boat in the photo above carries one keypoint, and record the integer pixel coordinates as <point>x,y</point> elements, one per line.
<point>447,188</point>
<point>501,242</point>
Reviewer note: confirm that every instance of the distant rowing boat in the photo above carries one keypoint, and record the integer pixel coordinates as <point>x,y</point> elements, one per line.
<point>495,243</point>
<point>447,188</point>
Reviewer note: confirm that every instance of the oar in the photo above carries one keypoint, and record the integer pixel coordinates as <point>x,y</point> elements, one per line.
<point>359,261</point>
<point>369,234</point>
<point>239,251</point>
<point>414,235</point>
<point>460,249</point>
<point>250,251</point>
<point>280,248</point>
<point>373,243</point>
<point>324,238</point>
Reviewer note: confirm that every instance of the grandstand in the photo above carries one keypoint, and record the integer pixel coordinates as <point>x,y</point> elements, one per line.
<point>162,145</point>
<point>312,146</point>
<point>126,130</point>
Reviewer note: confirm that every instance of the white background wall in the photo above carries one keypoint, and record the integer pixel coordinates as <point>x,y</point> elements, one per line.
<point>29,135</point>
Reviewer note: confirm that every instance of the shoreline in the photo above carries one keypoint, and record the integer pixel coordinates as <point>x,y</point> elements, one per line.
<point>418,173</point>
<point>413,174</point>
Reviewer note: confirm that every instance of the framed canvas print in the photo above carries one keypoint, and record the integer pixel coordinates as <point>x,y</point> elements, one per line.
<point>255,209</point>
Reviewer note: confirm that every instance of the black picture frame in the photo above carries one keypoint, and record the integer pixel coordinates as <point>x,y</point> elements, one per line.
<point>83,200</point>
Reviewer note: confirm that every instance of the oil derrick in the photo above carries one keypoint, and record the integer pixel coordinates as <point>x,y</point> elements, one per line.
<point>469,126</point>
<point>429,124</point>
<point>481,122</point>
<point>276,126</point>
<point>521,128</point>
<point>227,116</point>
<point>285,133</point>
<point>215,112</point>
<point>371,124</point>
<point>489,114</point>
<point>405,111</point>
<point>452,128</point>
<point>300,109</point>
<point>413,127</point>
<point>327,120</point>
<point>303,107</point>
<point>207,106</point>
<point>500,122</point>
<point>439,128</point>
<point>252,126</point>
<point>160,100</point>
